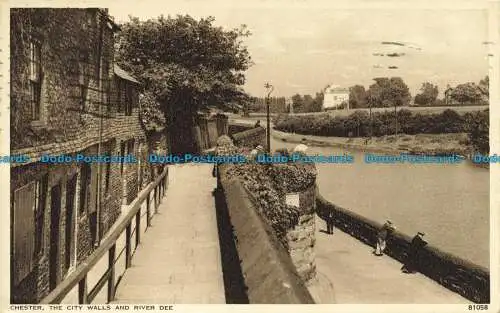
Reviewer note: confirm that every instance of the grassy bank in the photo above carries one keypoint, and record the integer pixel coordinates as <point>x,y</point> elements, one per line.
<point>432,144</point>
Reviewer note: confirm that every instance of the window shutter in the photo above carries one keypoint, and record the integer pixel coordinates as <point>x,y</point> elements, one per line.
<point>24,235</point>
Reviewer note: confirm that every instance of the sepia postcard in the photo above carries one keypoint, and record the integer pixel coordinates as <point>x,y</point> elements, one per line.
<point>341,154</point>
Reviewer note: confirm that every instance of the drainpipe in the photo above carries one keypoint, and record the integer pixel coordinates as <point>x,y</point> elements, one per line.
<point>99,146</point>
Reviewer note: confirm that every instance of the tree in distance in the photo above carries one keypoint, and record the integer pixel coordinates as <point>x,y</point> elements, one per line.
<point>428,94</point>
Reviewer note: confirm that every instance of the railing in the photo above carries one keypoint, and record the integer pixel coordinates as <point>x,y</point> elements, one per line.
<point>458,275</point>
<point>108,245</point>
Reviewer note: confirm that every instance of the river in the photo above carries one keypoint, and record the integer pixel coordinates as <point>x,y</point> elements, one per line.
<point>449,203</point>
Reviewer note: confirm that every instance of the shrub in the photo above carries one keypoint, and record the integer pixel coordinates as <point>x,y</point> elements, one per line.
<point>479,132</point>
<point>359,124</point>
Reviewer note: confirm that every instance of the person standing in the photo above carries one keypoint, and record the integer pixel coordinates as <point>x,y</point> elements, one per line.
<point>412,258</point>
<point>329,222</point>
<point>382,234</point>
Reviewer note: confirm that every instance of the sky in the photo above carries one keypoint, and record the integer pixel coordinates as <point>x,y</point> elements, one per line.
<point>303,46</point>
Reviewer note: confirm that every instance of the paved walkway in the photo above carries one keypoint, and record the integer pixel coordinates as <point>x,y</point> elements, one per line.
<point>348,273</point>
<point>178,261</point>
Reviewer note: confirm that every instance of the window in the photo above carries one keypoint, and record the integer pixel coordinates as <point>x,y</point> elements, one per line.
<point>119,100</point>
<point>27,228</point>
<point>128,99</point>
<point>85,185</point>
<point>35,79</point>
<point>122,155</point>
<point>83,65</point>
<point>70,222</point>
<point>105,85</point>
<point>108,171</point>
<point>40,197</point>
<point>130,146</point>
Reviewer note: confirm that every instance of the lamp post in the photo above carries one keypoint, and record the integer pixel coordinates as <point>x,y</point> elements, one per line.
<point>270,89</point>
<point>396,115</point>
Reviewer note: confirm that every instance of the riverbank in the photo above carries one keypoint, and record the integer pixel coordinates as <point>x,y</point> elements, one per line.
<point>430,144</point>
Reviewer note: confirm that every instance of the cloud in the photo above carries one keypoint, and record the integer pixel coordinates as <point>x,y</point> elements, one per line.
<point>319,52</point>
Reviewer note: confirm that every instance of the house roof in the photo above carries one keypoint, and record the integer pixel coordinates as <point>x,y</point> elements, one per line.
<point>122,74</point>
<point>335,89</point>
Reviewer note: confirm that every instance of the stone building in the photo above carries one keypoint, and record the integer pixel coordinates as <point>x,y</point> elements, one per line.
<point>67,98</point>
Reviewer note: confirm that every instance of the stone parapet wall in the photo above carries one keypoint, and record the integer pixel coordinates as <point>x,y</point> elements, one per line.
<point>269,274</point>
<point>302,238</point>
<point>235,128</point>
<point>269,186</point>
<point>250,138</point>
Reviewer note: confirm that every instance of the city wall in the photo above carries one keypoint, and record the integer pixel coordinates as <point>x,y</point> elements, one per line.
<point>260,267</point>
<point>467,279</point>
<point>250,138</point>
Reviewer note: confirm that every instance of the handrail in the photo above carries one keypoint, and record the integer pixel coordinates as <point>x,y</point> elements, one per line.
<point>459,275</point>
<point>79,276</point>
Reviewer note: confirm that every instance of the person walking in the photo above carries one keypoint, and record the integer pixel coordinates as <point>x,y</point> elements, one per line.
<point>382,234</point>
<point>412,257</point>
<point>329,222</point>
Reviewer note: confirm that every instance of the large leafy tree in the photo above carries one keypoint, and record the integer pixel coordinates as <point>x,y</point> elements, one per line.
<point>187,64</point>
<point>484,86</point>
<point>298,104</point>
<point>467,93</point>
<point>428,94</point>
<point>357,97</point>
<point>387,92</point>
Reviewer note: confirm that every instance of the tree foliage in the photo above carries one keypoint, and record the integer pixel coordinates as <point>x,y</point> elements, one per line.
<point>358,97</point>
<point>306,103</point>
<point>386,92</point>
<point>479,132</point>
<point>466,93</point>
<point>428,94</point>
<point>186,64</point>
<point>484,86</point>
<point>151,114</point>
<point>358,124</point>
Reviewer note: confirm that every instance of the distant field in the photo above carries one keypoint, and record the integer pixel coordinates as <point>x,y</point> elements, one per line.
<point>423,110</point>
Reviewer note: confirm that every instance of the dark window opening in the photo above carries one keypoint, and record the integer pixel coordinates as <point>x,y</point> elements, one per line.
<point>83,78</point>
<point>35,79</point>
<point>108,173</point>
<point>122,155</point>
<point>85,187</point>
<point>40,197</point>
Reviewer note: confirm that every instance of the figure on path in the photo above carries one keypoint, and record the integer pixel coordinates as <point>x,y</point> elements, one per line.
<point>257,124</point>
<point>300,148</point>
<point>329,222</point>
<point>382,234</point>
<point>412,258</point>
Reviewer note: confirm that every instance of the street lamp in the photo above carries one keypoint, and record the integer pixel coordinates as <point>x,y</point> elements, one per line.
<point>270,89</point>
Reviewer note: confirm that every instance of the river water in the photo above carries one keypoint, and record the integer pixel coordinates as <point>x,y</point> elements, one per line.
<point>448,202</point>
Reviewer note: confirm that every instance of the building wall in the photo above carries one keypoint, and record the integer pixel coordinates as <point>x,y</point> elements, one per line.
<point>67,127</point>
<point>334,97</point>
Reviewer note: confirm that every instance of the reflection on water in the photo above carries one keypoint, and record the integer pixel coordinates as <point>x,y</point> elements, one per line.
<point>448,202</point>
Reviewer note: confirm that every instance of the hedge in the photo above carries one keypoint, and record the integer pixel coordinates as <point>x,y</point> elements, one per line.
<point>382,123</point>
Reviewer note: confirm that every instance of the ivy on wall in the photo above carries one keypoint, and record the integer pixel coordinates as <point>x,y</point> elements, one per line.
<point>268,185</point>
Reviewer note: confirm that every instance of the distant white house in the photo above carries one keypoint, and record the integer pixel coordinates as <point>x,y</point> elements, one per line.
<point>334,96</point>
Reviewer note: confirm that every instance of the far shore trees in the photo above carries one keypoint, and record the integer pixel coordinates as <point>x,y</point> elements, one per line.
<point>387,92</point>
<point>428,94</point>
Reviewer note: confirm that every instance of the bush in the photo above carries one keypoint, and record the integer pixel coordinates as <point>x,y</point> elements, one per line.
<point>358,124</point>
<point>479,132</point>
